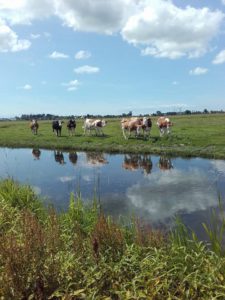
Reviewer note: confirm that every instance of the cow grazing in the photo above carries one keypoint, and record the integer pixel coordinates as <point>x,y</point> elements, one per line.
<point>96,125</point>
<point>71,126</point>
<point>57,127</point>
<point>136,125</point>
<point>164,125</point>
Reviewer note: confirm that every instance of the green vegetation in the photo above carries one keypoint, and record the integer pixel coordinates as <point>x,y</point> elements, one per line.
<point>81,254</point>
<point>192,135</point>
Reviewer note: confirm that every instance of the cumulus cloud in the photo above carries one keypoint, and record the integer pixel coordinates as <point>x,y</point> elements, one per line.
<point>86,70</point>
<point>220,58</point>
<point>9,41</point>
<point>58,55</point>
<point>159,27</point>
<point>164,30</point>
<point>185,191</point>
<point>25,11</point>
<point>198,71</point>
<point>83,54</point>
<point>103,16</point>
<point>71,85</point>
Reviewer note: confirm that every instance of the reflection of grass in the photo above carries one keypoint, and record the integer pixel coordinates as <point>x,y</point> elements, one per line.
<point>81,254</point>
<point>196,135</point>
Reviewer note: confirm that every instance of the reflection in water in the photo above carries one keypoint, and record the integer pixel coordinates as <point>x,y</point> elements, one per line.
<point>163,195</point>
<point>59,157</point>
<point>165,163</point>
<point>134,162</point>
<point>73,157</point>
<point>190,187</point>
<point>36,153</point>
<point>96,158</point>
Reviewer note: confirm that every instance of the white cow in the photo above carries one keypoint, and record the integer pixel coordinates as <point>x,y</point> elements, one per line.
<point>96,125</point>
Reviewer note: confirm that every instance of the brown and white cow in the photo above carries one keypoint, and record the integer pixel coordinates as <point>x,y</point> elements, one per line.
<point>136,125</point>
<point>96,125</point>
<point>164,125</point>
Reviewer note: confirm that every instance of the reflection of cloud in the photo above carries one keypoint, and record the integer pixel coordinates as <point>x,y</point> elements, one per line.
<point>66,178</point>
<point>87,178</point>
<point>162,195</point>
<point>36,189</point>
<point>219,165</point>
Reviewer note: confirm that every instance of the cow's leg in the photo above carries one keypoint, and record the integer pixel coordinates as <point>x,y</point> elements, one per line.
<point>124,133</point>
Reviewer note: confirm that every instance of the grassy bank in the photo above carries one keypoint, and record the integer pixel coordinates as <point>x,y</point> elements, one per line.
<point>81,254</point>
<point>194,135</point>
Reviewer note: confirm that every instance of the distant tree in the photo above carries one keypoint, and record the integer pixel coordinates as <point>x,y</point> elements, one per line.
<point>205,111</point>
<point>187,112</point>
<point>158,113</point>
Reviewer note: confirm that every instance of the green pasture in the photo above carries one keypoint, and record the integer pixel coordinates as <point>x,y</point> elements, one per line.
<point>194,135</point>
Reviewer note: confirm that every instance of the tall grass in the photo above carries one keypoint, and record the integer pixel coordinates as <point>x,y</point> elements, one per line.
<point>82,254</point>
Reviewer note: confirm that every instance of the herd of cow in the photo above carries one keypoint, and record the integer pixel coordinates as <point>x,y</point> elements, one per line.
<point>136,125</point>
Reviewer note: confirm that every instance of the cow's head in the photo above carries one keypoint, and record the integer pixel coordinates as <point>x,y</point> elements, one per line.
<point>104,122</point>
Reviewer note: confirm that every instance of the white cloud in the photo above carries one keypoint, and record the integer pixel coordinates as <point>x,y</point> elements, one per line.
<point>9,41</point>
<point>223,2</point>
<point>159,27</point>
<point>86,70</point>
<point>164,30</point>
<point>175,83</point>
<point>103,16</point>
<point>25,11</point>
<point>185,191</point>
<point>198,71</point>
<point>220,58</point>
<point>35,36</point>
<point>57,55</point>
<point>27,87</point>
<point>82,54</point>
<point>72,85</point>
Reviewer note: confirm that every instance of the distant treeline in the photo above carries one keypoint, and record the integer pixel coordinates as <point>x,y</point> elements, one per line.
<point>123,115</point>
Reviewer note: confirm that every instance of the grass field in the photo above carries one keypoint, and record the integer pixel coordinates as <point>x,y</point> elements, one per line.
<point>194,135</point>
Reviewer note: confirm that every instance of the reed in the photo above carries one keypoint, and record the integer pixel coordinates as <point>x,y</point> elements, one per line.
<point>82,254</point>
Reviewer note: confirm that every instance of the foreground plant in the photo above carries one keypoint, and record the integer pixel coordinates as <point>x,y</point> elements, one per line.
<point>82,254</point>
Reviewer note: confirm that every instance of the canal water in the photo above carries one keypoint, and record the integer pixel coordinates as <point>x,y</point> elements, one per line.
<point>153,188</point>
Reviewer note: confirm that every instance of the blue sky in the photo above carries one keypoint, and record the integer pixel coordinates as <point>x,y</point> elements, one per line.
<point>109,57</point>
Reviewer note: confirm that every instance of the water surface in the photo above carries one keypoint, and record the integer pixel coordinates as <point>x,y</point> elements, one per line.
<point>153,188</point>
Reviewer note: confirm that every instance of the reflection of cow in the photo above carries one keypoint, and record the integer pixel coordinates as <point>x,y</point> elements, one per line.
<point>136,161</point>
<point>71,125</point>
<point>136,125</point>
<point>165,163</point>
<point>73,157</point>
<point>34,126</point>
<point>96,125</point>
<point>36,153</point>
<point>57,127</point>
<point>164,125</point>
<point>96,158</point>
<point>59,157</point>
